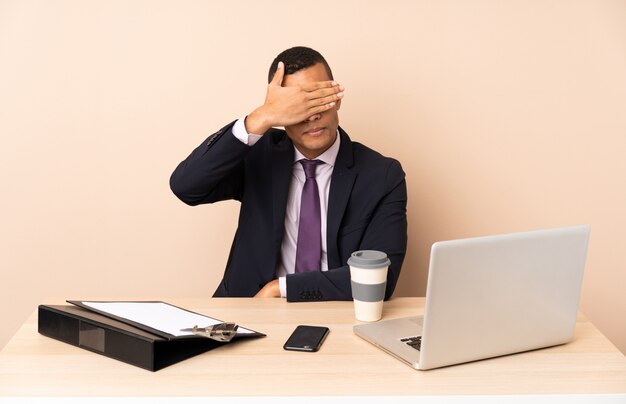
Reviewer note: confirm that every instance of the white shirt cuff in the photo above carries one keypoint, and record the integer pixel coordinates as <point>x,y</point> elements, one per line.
<point>282,283</point>
<point>239,131</point>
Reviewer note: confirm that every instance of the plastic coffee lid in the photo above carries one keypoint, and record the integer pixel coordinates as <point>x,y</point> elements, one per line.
<point>368,259</point>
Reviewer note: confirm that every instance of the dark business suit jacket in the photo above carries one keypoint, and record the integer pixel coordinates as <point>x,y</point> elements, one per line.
<point>366,210</point>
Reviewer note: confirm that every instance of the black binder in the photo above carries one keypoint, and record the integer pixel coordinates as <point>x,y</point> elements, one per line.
<point>118,340</point>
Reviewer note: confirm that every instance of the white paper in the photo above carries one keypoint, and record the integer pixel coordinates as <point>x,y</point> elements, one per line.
<point>158,315</point>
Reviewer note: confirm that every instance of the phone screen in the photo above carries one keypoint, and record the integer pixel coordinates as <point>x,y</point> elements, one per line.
<point>306,338</point>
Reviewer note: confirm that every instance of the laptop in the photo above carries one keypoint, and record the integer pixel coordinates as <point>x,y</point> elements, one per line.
<point>491,296</point>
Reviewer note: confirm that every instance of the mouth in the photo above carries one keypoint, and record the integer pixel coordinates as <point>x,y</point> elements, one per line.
<point>314,131</point>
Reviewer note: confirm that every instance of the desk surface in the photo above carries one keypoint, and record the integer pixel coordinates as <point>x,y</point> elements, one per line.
<point>34,365</point>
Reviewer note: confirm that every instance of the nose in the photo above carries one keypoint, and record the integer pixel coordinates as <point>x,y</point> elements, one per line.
<point>313,118</point>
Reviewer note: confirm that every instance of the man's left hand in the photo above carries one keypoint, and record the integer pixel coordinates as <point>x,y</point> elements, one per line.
<point>271,289</point>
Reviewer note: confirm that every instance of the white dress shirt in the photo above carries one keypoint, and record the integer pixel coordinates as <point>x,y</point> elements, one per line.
<point>323,173</point>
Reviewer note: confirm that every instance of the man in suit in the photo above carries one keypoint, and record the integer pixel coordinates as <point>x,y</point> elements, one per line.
<point>309,195</point>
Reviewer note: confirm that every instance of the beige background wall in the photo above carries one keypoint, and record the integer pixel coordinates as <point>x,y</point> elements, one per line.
<point>506,115</point>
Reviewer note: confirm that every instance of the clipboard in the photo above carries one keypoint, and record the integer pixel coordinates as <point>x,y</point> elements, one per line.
<point>122,311</point>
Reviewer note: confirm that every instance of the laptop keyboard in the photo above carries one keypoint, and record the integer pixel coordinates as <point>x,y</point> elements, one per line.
<point>414,342</point>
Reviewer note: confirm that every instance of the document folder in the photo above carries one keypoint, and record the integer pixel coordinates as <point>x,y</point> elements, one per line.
<point>118,340</point>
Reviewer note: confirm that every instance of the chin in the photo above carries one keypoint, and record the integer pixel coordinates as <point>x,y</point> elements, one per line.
<point>319,144</point>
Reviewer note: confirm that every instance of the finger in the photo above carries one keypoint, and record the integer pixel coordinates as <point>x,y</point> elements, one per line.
<point>320,84</point>
<point>277,80</point>
<point>321,108</point>
<point>325,92</point>
<point>325,100</point>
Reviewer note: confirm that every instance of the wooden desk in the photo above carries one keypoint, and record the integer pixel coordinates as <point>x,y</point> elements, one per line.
<point>34,365</point>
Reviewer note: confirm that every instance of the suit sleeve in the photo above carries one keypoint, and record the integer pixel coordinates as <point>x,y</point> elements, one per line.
<point>213,171</point>
<point>386,231</point>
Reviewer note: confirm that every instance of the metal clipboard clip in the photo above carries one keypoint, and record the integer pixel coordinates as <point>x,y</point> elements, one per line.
<point>222,332</point>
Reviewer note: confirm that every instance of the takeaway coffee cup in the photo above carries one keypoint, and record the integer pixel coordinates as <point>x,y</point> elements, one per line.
<point>368,273</point>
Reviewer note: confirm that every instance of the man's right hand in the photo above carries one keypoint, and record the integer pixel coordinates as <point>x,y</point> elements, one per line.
<point>286,106</point>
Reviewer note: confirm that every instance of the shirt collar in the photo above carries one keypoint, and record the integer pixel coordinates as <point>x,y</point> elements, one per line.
<point>329,156</point>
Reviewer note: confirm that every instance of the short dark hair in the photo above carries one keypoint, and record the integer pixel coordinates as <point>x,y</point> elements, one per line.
<point>298,58</point>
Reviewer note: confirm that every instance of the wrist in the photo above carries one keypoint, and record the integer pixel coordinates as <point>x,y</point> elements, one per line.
<point>256,122</point>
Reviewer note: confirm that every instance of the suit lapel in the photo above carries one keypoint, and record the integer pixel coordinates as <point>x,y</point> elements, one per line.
<point>343,177</point>
<point>282,167</point>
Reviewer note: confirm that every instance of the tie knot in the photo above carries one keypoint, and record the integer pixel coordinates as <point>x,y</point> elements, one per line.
<point>309,167</point>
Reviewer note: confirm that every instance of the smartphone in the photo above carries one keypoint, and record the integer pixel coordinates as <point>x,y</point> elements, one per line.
<point>306,338</point>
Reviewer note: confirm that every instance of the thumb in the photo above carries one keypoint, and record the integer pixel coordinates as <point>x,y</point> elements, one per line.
<point>277,80</point>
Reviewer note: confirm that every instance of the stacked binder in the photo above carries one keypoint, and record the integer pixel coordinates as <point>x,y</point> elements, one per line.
<point>149,335</point>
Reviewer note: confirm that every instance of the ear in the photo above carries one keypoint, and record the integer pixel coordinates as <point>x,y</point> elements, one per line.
<point>338,105</point>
